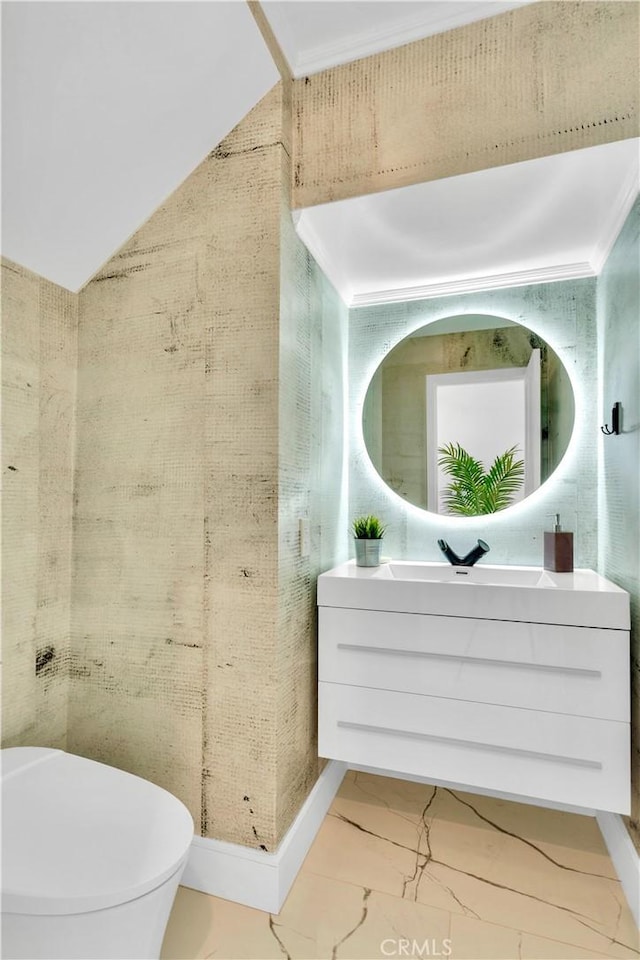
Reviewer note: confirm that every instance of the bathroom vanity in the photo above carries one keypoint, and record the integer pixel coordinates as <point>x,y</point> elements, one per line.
<point>509,679</point>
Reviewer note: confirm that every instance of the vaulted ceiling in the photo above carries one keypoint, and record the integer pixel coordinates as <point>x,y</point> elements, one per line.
<point>108,107</point>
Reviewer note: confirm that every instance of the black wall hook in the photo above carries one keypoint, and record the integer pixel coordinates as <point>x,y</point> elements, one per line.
<point>616,417</point>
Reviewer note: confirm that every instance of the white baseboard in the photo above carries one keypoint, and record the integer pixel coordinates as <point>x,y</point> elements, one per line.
<point>624,857</point>
<point>263,880</point>
<point>252,877</point>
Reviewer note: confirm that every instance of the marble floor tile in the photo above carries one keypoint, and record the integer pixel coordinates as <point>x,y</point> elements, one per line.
<point>498,904</point>
<point>396,811</point>
<point>407,870</point>
<point>394,928</point>
<point>476,940</point>
<point>475,854</point>
<point>345,850</point>
<point>201,926</point>
<point>539,948</point>
<point>477,827</point>
<point>320,919</point>
<point>326,918</point>
<point>468,862</point>
<point>576,837</point>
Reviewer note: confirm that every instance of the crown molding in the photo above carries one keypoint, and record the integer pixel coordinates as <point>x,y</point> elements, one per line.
<point>617,217</point>
<point>325,259</point>
<point>518,278</point>
<point>368,298</point>
<point>330,258</point>
<point>369,42</point>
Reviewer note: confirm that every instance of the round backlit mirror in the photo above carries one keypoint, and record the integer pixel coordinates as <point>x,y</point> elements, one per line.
<point>468,415</point>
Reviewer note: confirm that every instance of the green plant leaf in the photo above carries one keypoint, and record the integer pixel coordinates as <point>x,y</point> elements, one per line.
<point>368,528</point>
<point>502,481</point>
<point>473,492</point>
<point>464,495</point>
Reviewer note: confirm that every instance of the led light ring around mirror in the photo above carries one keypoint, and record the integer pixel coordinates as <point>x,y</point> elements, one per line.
<point>531,500</point>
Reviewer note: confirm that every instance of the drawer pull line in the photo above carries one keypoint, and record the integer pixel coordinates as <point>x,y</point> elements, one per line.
<point>461,658</point>
<point>478,745</point>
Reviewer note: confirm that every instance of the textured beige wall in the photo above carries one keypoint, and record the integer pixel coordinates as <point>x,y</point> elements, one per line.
<point>175,589</point>
<point>241,290</point>
<point>538,80</point>
<point>39,356</point>
<point>136,687</point>
<point>193,657</point>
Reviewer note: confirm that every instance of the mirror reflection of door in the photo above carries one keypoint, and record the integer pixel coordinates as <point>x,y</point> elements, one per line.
<point>487,412</point>
<point>394,416</point>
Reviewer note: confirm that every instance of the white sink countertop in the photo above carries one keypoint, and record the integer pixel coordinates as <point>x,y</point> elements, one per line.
<point>485,591</point>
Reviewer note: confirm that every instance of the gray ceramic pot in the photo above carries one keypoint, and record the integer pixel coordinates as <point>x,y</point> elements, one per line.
<point>367,552</point>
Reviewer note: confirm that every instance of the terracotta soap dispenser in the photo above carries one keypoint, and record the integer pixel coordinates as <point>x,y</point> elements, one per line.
<point>558,549</point>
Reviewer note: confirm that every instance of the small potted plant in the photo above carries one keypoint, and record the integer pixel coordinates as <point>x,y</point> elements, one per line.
<point>368,533</point>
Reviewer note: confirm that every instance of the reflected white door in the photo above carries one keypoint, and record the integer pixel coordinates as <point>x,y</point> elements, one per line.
<point>487,412</point>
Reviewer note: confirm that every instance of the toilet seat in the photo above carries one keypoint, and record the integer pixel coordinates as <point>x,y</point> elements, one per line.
<point>79,835</point>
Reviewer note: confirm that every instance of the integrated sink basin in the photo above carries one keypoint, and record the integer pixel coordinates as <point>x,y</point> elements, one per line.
<point>445,573</point>
<point>486,591</point>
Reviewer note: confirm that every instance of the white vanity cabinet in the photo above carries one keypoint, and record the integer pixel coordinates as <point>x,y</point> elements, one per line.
<point>535,709</point>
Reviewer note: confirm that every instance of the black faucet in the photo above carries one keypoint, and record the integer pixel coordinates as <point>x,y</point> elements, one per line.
<point>468,561</point>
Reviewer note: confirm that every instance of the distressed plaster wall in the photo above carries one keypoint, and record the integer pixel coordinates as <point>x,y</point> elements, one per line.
<point>202,349</point>
<point>619,456</point>
<point>242,291</point>
<point>39,355</point>
<point>137,625</point>
<point>538,80</point>
<point>563,314</point>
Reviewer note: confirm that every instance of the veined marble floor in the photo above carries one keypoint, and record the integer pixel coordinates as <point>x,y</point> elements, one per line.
<point>405,870</point>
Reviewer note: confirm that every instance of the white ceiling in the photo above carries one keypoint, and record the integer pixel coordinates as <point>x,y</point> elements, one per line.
<point>316,35</point>
<point>541,220</point>
<point>107,108</point>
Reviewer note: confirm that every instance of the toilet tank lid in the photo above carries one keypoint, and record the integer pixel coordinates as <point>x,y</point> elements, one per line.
<point>78,835</point>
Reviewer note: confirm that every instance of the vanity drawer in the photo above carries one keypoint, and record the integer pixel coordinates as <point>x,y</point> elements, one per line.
<point>582,671</point>
<point>566,759</point>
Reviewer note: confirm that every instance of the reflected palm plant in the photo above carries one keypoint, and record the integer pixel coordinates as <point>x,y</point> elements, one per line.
<point>472,491</point>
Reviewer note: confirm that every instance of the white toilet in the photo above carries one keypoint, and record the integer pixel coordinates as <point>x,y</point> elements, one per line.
<point>92,858</point>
